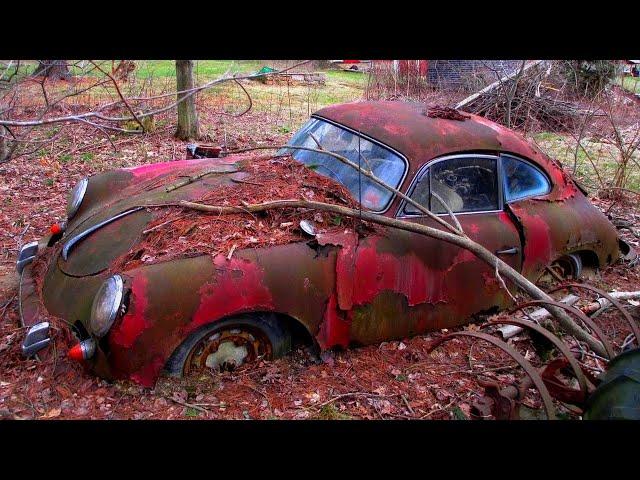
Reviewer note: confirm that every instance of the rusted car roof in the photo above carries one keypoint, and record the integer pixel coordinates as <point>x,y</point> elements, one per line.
<point>406,127</point>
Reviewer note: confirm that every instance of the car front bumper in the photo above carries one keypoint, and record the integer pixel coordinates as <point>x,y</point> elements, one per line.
<point>37,336</point>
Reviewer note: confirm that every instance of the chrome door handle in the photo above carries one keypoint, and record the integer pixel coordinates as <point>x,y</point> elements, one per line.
<point>508,251</point>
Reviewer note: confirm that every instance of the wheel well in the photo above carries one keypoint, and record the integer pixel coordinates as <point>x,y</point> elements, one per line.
<point>589,259</point>
<point>300,335</point>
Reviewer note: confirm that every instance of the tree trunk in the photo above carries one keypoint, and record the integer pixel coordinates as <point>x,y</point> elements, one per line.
<point>5,150</point>
<point>54,69</point>
<point>187,114</point>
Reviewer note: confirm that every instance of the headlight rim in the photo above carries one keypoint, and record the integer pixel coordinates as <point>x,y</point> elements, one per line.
<point>77,196</point>
<point>104,324</point>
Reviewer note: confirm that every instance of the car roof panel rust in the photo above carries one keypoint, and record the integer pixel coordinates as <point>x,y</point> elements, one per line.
<point>407,128</point>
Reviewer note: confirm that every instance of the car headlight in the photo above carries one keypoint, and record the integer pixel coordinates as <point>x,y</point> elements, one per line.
<point>106,305</point>
<point>76,196</point>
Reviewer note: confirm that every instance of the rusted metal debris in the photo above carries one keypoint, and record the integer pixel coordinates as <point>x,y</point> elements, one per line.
<point>627,316</point>
<point>525,364</point>
<point>504,402</point>
<point>202,150</point>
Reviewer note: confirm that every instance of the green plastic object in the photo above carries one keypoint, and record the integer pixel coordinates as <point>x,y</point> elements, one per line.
<point>618,396</point>
<point>266,69</point>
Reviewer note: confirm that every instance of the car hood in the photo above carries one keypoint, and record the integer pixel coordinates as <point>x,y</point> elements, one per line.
<point>111,220</point>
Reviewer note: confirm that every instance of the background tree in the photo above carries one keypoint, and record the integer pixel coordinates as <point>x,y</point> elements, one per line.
<point>54,69</point>
<point>187,113</point>
<point>589,77</point>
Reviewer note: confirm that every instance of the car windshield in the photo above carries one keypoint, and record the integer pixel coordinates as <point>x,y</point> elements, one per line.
<point>385,165</point>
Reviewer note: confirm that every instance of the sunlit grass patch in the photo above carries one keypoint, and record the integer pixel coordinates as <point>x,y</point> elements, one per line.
<point>629,83</point>
<point>595,160</point>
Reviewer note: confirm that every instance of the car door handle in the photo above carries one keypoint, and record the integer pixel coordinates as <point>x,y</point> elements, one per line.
<point>508,251</point>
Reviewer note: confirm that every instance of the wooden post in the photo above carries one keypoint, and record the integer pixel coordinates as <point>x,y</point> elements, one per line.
<point>187,114</point>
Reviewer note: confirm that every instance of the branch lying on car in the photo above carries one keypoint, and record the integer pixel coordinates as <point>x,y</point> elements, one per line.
<point>456,239</point>
<point>369,174</point>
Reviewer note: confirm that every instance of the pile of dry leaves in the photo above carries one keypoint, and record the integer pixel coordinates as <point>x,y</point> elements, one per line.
<point>181,232</point>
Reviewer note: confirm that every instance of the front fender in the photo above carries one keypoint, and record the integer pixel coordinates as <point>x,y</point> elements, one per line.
<point>168,301</point>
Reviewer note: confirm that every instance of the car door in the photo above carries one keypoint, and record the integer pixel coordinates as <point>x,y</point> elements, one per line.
<point>407,283</point>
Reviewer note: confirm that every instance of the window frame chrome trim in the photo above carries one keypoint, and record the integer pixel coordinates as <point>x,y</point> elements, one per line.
<point>400,212</point>
<point>407,165</point>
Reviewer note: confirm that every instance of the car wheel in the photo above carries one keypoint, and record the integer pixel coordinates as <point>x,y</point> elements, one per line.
<point>568,266</point>
<point>228,344</point>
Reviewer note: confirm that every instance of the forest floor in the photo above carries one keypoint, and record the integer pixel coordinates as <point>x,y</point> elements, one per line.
<point>397,379</point>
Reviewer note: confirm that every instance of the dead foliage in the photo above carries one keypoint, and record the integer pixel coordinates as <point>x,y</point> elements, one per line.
<point>176,232</point>
<point>447,113</point>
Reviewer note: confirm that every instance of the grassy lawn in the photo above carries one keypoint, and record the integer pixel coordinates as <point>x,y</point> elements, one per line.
<point>629,83</point>
<point>593,159</point>
<point>202,68</point>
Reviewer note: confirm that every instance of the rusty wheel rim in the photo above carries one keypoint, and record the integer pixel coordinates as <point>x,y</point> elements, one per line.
<point>227,349</point>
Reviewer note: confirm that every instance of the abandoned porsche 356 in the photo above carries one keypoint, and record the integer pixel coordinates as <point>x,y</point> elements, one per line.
<point>137,311</point>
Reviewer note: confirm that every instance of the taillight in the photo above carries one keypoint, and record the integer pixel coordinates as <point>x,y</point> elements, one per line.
<point>83,350</point>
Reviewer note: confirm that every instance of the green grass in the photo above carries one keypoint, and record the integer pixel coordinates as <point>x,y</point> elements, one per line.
<point>330,412</point>
<point>629,83</point>
<point>592,159</point>
<point>351,79</point>
<point>202,68</point>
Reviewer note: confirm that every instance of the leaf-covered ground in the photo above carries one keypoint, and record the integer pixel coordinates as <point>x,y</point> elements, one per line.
<point>398,379</point>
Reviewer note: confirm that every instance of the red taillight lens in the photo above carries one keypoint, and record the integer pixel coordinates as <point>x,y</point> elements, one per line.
<point>55,229</point>
<point>83,350</point>
<point>75,353</point>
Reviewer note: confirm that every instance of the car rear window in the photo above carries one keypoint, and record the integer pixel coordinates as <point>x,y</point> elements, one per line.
<point>522,180</point>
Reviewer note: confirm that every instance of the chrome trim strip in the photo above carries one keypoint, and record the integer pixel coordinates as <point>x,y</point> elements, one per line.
<point>420,172</point>
<point>36,339</point>
<point>73,240</point>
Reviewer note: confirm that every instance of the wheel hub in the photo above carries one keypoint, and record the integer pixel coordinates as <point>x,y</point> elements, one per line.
<point>227,349</point>
<point>227,357</point>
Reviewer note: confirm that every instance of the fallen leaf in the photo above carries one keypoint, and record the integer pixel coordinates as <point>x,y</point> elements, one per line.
<point>53,413</point>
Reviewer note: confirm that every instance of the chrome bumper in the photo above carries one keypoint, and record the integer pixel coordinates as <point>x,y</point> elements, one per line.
<point>37,337</point>
<point>27,253</point>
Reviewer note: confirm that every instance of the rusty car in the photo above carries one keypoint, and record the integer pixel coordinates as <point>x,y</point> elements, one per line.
<point>319,281</point>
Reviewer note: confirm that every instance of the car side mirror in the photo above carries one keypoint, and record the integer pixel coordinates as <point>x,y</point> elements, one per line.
<point>307,227</point>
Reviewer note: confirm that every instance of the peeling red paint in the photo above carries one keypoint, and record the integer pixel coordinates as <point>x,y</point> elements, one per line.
<point>134,322</point>
<point>145,172</point>
<point>334,329</point>
<point>237,287</point>
<point>149,373</point>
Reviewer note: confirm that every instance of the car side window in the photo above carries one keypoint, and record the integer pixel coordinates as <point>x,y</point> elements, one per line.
<point>465,184</point>
<point>522,180</point>
<point>420,194</point>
